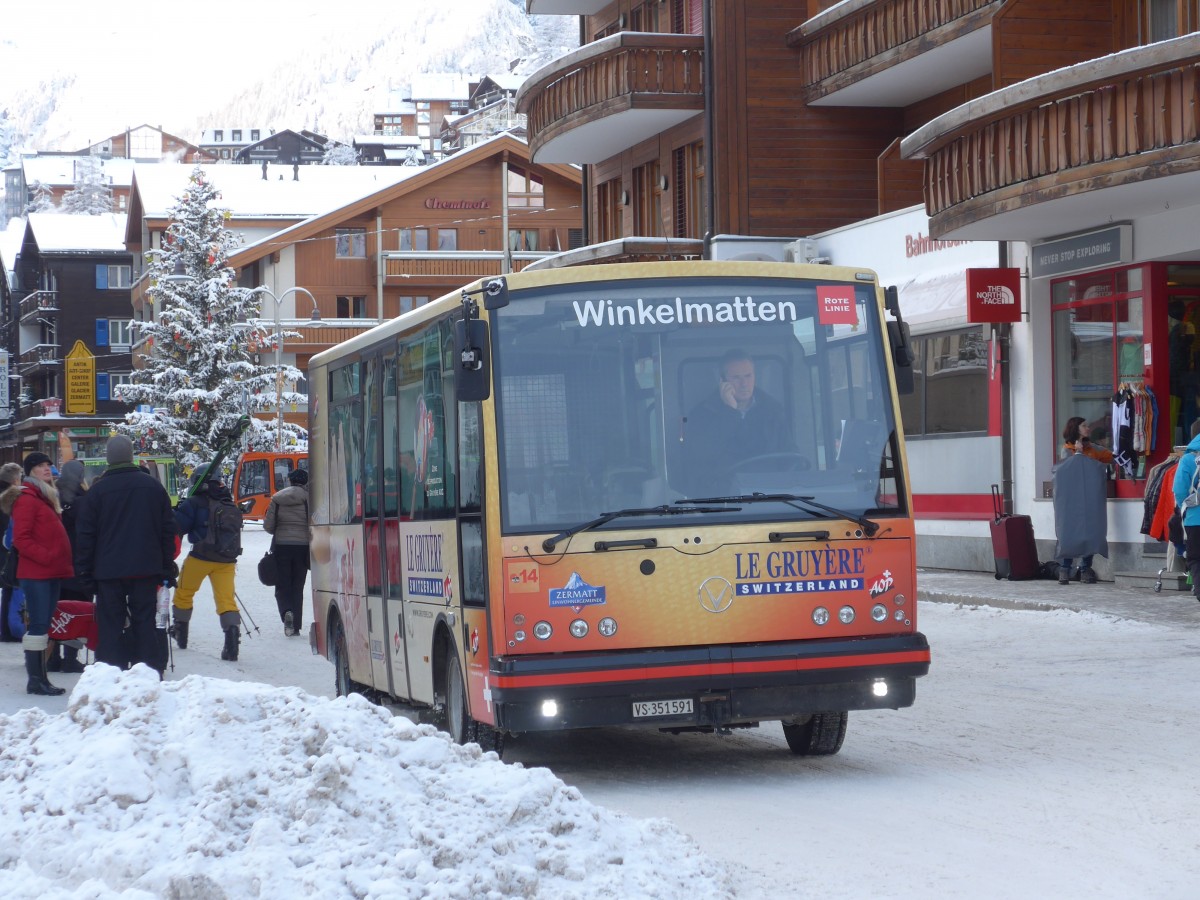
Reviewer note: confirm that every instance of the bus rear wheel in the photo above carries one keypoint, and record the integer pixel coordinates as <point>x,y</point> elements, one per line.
<point>459,724</point>
<point>821,734</point>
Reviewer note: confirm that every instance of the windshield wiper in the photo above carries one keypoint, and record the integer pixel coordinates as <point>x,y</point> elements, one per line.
<point>869,528</point>
<point>549,543</point>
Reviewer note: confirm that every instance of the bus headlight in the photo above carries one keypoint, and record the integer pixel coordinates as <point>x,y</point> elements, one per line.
<point>820,615</point>
<point>549,708</point>
<point>579,628</point>
<point>607,626</point>
<point>879,688</point>
<point>846,615</point>
<point>879,612</point>
<point>542,630</point>
<point>900,598</point>
<point>518,635</point>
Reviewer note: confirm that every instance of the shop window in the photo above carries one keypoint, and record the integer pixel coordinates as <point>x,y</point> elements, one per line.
<point>950,374</point>
<point>1099,363</point>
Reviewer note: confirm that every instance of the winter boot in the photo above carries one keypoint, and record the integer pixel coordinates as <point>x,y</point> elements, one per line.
<point>179,628</point>
<point>1087,575</point>
<point>70,660</point>
<point>1064,574</point>
<point>54,658</point>
<point>289,629</point>
<point>230,650</point>
<point>35,667</point>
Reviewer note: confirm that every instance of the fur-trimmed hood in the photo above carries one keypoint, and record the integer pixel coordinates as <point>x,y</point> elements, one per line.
<point>36,488</point>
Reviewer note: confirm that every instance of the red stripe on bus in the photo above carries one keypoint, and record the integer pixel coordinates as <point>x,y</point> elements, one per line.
<point>661,673</point>
<point>952,506</point>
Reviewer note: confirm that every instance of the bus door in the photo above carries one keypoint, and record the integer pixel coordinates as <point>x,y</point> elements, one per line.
<point>429,556</point>
<point>392,585</point>
<point>373,524</point>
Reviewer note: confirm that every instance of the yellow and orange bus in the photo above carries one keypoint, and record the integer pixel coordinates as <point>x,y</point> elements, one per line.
<point>261,474</point>
<point>524,519</point>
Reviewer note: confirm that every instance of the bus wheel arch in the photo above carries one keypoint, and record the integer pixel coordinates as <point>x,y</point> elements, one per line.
<point>820,734</point>
<point>452,705</point>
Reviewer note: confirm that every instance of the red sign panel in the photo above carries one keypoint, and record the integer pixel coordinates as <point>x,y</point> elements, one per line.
<point>993,295</point>
<point>835,305</point>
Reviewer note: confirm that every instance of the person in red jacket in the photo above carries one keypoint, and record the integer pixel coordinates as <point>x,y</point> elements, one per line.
<point>44,560</point>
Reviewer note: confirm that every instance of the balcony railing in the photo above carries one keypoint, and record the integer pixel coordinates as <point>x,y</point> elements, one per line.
<point>41,355</point>
<point>1113,121</point>
<point>464,267</point>
<point>39,303</point>
<point>612,94</point>
<point>855,33</point>
<point>629,249</point>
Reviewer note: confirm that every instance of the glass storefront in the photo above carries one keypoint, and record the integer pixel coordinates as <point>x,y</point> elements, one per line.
<point>1127,359</point>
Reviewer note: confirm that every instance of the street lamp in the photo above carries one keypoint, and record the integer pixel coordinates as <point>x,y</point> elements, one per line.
<point>316,317</point>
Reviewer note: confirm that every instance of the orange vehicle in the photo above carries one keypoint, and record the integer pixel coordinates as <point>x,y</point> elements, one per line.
<point>259,475</point>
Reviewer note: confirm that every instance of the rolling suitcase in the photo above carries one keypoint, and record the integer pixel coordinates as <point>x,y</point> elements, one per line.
<point>1012,543</point>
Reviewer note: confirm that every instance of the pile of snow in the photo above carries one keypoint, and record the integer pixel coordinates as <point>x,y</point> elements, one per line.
<point>207,788</point>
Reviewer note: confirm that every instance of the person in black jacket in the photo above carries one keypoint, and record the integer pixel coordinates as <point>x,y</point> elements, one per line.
<point>125,544</point>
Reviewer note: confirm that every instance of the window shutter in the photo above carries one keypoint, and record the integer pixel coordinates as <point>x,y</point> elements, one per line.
<point>102,332</point>
<point>102,278</point>
<point>101,385</point>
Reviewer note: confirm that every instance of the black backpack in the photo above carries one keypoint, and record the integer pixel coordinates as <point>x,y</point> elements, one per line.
<point>222,541</point>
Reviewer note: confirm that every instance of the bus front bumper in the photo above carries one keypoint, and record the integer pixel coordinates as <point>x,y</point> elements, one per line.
<point>709,687</point>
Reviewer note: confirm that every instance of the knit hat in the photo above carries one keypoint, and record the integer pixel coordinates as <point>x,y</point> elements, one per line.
<point>33,460</point>
<point>298,476</point>
<point>118,450</point>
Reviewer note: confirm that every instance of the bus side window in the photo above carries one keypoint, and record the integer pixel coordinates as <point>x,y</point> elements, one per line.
<point>253,477</point>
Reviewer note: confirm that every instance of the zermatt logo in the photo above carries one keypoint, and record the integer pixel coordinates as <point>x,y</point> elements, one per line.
<point>577,594</point>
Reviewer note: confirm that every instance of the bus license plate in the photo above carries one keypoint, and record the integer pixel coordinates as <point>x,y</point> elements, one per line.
<point>653,708</point>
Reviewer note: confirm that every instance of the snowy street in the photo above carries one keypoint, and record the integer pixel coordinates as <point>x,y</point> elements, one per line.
<point>1049,754</point>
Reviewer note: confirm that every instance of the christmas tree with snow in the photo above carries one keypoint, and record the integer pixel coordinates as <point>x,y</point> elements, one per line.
<point>198,375</point>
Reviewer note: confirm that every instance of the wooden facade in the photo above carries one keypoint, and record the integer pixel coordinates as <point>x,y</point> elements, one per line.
<point>764,157</point>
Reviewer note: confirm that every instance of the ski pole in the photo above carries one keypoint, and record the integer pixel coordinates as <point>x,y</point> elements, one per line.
<point>245,612</point>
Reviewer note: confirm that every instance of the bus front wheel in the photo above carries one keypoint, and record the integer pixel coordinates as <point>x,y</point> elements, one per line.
<point>821,734</point>
<point>340,657</point>
<point>459,724</point>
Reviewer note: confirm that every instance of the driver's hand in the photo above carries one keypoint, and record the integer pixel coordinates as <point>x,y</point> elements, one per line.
<point>727,394</point>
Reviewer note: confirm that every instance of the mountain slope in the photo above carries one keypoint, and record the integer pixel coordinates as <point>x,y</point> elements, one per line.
<point>306,67</point>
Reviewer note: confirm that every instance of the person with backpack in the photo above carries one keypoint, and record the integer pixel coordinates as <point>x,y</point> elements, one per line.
<point>125,549</point>
<point>287,523</point>
<point>213,525</point>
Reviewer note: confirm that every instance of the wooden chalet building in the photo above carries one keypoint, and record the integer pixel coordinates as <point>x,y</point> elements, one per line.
<point>375,253</point>
<point>71,347</point>
<point>287,147</point>
<point>1057,139</point>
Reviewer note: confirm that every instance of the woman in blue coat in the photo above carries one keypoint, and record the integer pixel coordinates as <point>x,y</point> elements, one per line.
<point>1185,482</point>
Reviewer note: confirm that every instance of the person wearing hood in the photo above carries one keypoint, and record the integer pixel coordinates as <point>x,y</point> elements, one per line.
<point>72,487</point>
<point>44,560</point>
<point>194,517</point>
<point>287,523</point>
<point>1186,488</point>
<point>125,547</point>
<point>10,474</point>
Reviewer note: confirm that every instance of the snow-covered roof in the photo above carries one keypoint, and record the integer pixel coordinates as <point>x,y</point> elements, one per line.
<point>61,233</point>
<point>441,86</point>
<point>60,170</point>
<point>10,242</point>
<point>507,82</point>
<point>386,140</point>
<point>244,192</point>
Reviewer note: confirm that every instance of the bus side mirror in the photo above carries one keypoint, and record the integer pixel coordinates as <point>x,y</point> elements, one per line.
<point>472,380</point>
<point>901,343</point>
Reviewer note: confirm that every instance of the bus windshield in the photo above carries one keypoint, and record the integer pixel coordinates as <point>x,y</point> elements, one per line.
<point>636,394</point>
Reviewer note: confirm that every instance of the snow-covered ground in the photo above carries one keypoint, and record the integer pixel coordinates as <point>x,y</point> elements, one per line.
<point>1050,754</point>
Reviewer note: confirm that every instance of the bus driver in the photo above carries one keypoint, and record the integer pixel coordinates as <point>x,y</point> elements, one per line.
<point>736,423</point>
